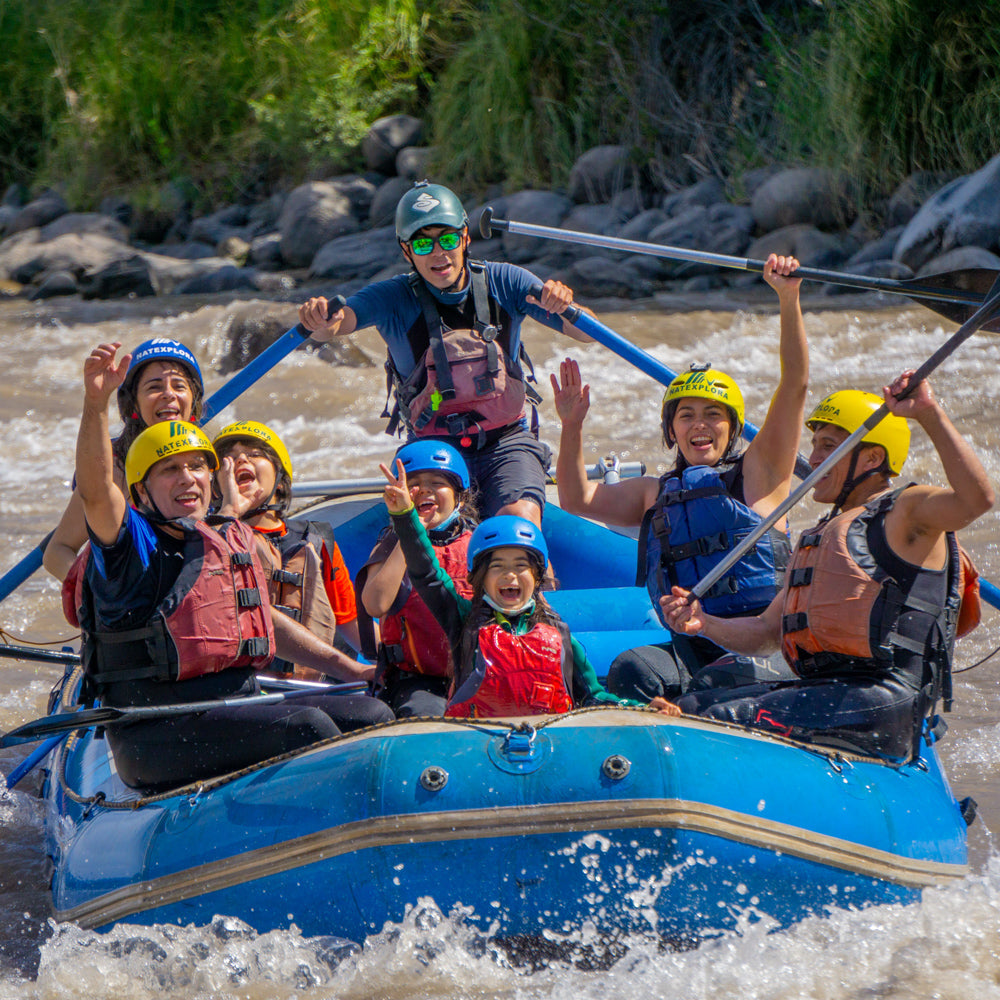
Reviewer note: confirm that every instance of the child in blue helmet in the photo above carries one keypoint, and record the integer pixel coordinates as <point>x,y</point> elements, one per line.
<point>163,382</point>
<point>513,654</point>
<point>415,664</point>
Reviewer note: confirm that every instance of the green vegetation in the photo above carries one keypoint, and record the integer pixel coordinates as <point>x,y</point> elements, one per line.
<point>237,98</point>
<point>888,87</point>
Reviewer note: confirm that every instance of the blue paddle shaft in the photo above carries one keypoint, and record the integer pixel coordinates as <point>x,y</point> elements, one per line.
<point>262,364</point>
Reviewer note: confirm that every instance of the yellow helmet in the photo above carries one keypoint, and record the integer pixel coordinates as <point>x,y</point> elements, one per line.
<point>169,437</point>
<point>706,383</point>
<point>850,408</point>
<point>251,430</point>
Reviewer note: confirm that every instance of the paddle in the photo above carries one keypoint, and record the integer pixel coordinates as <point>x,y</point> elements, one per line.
<point>108,716</point>
<point>954,294</point>
<point>42,655</point>
<point>990,308</point>
<point>219,399</point>
<point>646,363</point>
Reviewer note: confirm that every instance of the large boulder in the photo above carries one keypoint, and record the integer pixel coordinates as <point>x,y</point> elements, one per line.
<point>361,255</point>
<point>412,162</point>
<point>383,207</point>
<point>965,212</point>
<point>83,223</point>
<point>125,278</point>
<point>251,327</point>
<point>811,246</point>
<point>314,214</point>
<point>597,277</point>
<point>803,195</point>
<point>387,136</point>
<point>55,283</point>
<point>40,212</point>
<point>24,256</point>
<point>911,194</point>
<point>541,208</point>
<point>599,174</point>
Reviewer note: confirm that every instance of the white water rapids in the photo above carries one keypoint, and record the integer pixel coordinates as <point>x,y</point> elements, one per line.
<point>947,946</point>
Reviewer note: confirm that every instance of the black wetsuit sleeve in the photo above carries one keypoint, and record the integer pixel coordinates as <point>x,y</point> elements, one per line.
<point>432,583</point>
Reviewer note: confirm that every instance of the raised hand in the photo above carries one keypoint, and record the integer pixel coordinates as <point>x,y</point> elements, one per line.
<point>921,399</point>
<point>101,375</point>
<point>572,397</point>
<point>779,273</point>
<point>234,504</point>
<point>397,491</point>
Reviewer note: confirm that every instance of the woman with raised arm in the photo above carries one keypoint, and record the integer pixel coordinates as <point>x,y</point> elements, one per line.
<point>713,495</point>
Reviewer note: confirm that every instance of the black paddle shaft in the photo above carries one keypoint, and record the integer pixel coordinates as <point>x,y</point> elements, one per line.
<point>954,294</point>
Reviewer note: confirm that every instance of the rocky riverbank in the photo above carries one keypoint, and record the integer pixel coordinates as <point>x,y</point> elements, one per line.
<point>339,231</point>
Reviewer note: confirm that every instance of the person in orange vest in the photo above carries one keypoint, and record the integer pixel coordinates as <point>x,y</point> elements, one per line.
<point>176,611</point>
<point>307,577</point>
<point>875,593</point>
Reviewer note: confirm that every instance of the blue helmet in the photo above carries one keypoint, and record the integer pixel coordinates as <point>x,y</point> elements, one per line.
<point>506,530</point>
<point>158,349</point>
<point>433,456</point>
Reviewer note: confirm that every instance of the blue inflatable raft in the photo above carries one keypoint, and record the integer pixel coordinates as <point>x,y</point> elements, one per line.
<point>619,818</point>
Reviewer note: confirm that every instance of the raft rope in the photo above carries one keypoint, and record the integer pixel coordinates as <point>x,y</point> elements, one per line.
<point>9,638</point>
<point>836,757</point>
<point>978,663</point>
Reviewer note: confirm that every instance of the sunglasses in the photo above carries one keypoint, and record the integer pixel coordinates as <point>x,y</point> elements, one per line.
<point>423,245</point>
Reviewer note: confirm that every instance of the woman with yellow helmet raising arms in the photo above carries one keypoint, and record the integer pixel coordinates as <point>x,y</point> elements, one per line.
<point>713,495</point>
<point>307,576</point>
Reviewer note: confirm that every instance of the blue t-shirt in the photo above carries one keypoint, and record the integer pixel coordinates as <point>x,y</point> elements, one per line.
<point>392,307</point>
<point>130,577</point>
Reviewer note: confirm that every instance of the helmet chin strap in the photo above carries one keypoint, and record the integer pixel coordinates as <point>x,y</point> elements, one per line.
<point>851,481</point>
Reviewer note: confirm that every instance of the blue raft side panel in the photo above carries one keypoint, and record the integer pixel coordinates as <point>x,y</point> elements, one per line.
<point>671,876</point>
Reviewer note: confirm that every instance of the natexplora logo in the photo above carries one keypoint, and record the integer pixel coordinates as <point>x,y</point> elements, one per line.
<point>425,202</point>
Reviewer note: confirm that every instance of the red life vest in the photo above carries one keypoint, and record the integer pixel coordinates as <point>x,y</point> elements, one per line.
<point>411,638</point>
<point>530,674</point>
<point>466,381</point>
<point>215,616</point>
<point>842,609</point>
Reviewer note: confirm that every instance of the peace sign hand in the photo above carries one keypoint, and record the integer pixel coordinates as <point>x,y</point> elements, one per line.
<point>397,492</point>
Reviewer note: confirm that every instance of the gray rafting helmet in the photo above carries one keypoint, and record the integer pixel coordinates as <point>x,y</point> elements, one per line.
<point>428,205</point>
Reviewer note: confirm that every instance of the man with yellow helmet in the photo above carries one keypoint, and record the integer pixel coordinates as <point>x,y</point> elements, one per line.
<point>307,576</point>
<point>691,517</point>
<point>874,596</point>
<point>173,611</point>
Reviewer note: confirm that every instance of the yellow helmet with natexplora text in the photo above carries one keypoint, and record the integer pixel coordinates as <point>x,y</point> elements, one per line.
<point>251,430</point>
<point>705,383</point>
<point>163,440</point>
<point>850,408</point>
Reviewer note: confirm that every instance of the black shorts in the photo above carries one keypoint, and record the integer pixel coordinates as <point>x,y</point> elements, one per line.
<point>511,468</point>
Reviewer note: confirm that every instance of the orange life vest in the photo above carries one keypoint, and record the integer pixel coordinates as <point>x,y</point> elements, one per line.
<point>293,567</point>
<point>842,609</point>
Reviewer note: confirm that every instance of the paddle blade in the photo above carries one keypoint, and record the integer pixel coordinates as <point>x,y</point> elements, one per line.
<point>52,724</point>
<point>978,280</point>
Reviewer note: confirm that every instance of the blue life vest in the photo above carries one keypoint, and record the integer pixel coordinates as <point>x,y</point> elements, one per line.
<point>698,517</point>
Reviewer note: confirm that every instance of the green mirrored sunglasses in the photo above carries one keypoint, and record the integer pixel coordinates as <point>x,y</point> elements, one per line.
<point>423,245</point>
